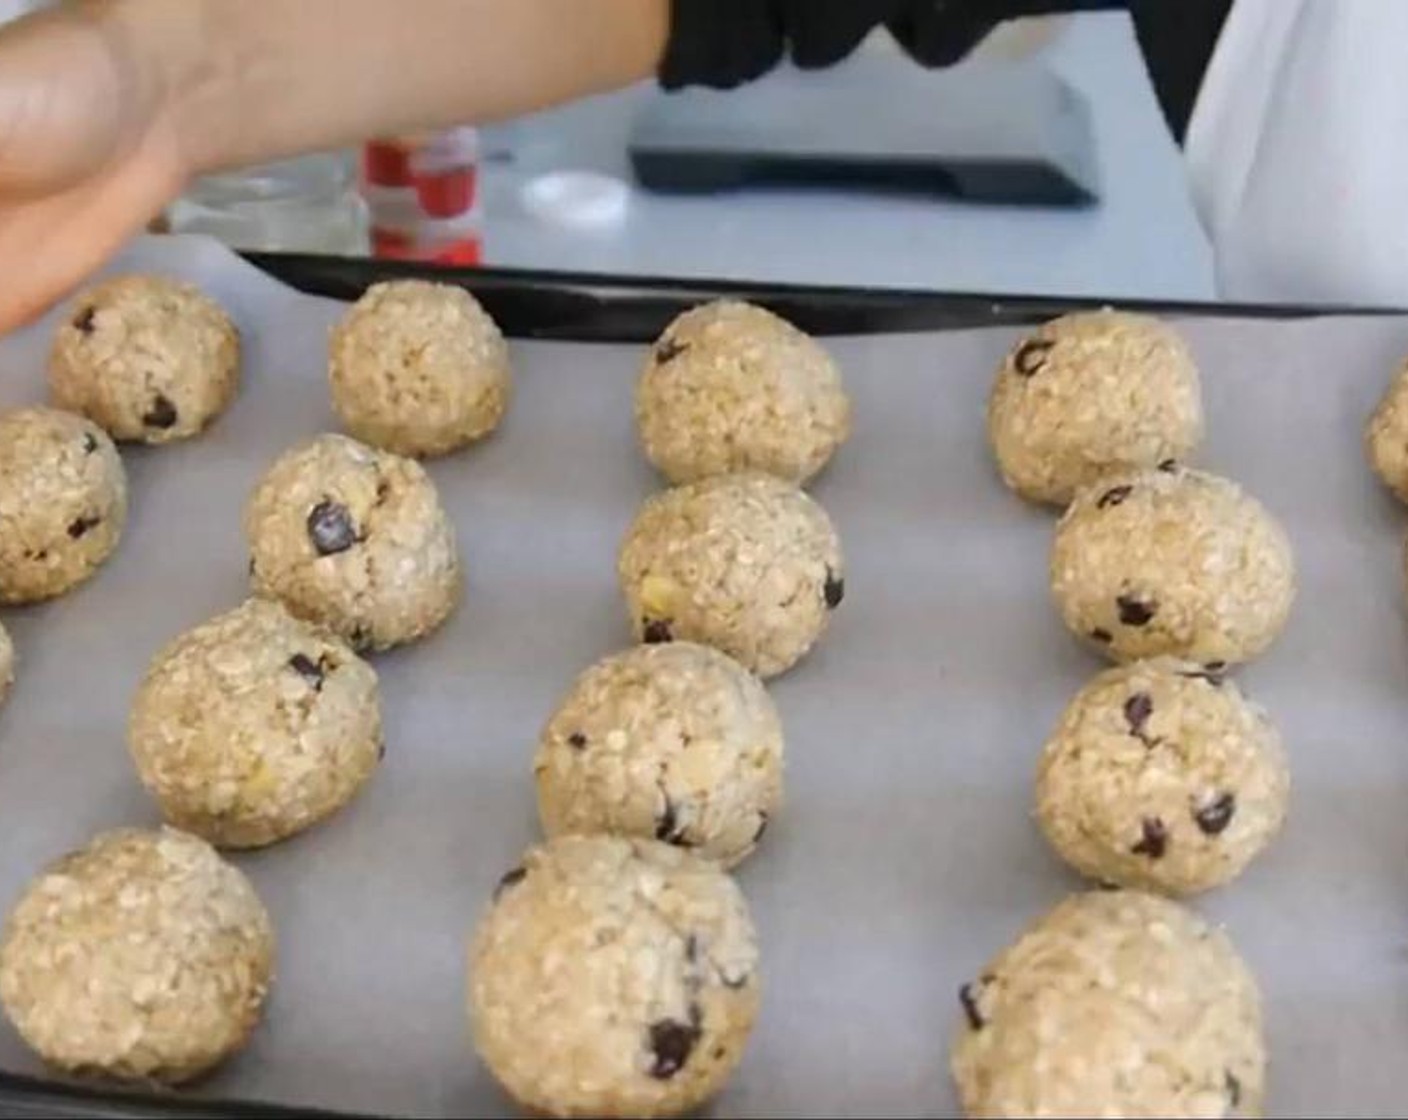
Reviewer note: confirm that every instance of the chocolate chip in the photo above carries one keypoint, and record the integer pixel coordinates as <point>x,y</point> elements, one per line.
<point>668,828</point>
<point>671,1043</point>
<point>762,826</point>
<point>360,637</point>
<point>1215,666</point>
<point>83,321</point>
<point>330,528</point>
<point>90,443</point>
<point>1031,356</point>
<point>79,526</point>
<point>162,413</point>
<point>577,740</point>
<point>834,590</point>
<point>1101,635</point>
<point>1213,677</point>
<point>970,1007</point>
<point>310,670</point>
<point>1234,1090</point>
<point>656,631</point>
<point>1154,842</point>
<point>510,879</point>
<point>1113,496</point>
<point>1168,466</point>
<point>1107,885</point>
<point>691,948</point>
<point>669,350</point>
<point>1135,612</point>
<point>1137,710</point>
<point>1215,816</point>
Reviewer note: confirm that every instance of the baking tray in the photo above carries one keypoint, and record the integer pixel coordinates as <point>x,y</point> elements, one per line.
<point>905,856</point>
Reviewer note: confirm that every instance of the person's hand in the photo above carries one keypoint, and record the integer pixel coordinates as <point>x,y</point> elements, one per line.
<point>87,156</point>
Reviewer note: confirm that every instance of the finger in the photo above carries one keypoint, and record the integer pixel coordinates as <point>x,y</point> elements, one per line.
<point>50,245</point>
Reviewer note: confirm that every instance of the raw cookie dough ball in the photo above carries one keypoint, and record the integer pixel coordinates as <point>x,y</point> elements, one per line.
<point>63,502</point>
<point>7,664</point>
<point>678,742</point>
<point>143,957</point>
<point>1386,437</point>
<point>150,359</point>
<point>1116,1003</point>
<point>255,726</point>
<point>418,368</point>
<point>1162,775</point>
<point>613,977</point>
<point>1172,561</point>
<point>354,539</point>
<point>1090,393</point>
<point>732,387</point>
<point>745,563</point>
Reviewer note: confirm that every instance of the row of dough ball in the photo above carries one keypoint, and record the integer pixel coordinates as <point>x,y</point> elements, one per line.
<point>147,957</point>
<point>615,943</point>
<point>420,369</point>
<point>1096,412</point>
<point>413,367</point>
<point>1160,775</point>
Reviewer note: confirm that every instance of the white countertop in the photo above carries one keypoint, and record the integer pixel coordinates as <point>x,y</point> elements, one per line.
<point>1142,240</point>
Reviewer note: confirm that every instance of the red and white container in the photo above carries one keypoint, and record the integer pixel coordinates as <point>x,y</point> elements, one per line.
<point>422,193</point>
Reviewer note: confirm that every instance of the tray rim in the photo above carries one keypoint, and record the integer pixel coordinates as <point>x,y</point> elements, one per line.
<point>596,307</point>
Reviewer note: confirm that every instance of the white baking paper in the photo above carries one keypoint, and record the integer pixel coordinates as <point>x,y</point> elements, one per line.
<point>906,855</point>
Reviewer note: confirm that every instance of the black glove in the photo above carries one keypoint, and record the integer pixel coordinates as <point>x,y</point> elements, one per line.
<point>724,43</point>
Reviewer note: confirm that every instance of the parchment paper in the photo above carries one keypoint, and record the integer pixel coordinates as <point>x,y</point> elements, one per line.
<point>906,855</point>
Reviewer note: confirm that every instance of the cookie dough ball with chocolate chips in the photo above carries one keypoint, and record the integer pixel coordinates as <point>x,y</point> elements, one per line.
<point>732,387</point>
<point>676,741</point>
<point>745,563</point>
<point>354,539</point>
<point>142,957</point>
<point>1172,561</point>
<point>1386,437</point>
<point>63,502</point>
<point>1161,775</point>
<point>150,359</point>
<point>1116,1003</point>
<point>255,726</point>
<point>1090,393</point>
<point>7,664</point>
<point>418,368</point>
<point>613,977</point>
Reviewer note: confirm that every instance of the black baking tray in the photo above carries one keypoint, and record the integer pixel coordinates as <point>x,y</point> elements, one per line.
<point>583,307</point>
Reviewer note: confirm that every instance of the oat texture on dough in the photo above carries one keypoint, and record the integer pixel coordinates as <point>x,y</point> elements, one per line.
<point>732,387</point>
<point>1116,1003</point>
<point>613,977</point>
<point>418,368</point>
<point>150,359</point>
<point>63,502</point>
<point>1162,775</point>
<point>254,726</point>
<point>143,957</point>
<point>355,540</point>
<point>1172,562</point>
<point>745,563</point>
<point>677,742</point>
<point>1089,394</point>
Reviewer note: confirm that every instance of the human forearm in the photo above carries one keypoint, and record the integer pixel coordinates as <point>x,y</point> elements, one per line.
<point>248,80</point>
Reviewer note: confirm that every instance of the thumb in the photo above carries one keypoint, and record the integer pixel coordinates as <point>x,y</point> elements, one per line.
<point>68,104</point>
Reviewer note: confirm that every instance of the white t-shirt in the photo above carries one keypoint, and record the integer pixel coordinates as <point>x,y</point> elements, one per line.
<point>1297,151</point>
